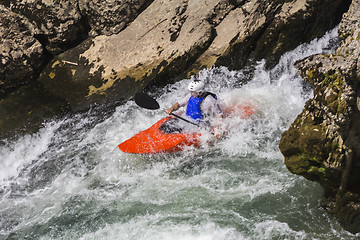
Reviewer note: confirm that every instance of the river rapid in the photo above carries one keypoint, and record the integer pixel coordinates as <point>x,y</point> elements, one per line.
<point>70,181</point>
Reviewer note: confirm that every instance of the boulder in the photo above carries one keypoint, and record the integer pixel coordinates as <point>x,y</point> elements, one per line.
<point>110,17</point>
<point>323,143</point>
<point>160,43</point>
<point>266,30</point>
<point>297,22</point>
<point>165,42</point>
<point>25,109</point>
<point>243,22</point>
<point>21,55</point>
<point>57,24</point>
<point>177,39</point>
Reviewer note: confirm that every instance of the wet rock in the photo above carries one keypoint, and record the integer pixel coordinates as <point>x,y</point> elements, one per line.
<point>110,17</point>
<point>110,68</point>
<point>241,24</point>
<point>165,42</point>
<point>323,144</point>
<point>25,109</point>
<point>180,38</point>
<point>259,30</point>
<point>57,24</point>
<point>297,22</point>
<point>21,55</point>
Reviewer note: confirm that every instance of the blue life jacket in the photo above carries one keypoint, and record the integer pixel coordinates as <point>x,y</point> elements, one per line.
<point>193,109</point>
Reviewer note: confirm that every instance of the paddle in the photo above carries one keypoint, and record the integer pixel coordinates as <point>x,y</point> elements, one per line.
<point>145,101</point>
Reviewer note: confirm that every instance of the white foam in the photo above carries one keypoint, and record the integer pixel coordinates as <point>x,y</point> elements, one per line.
<point>273,229</point>
<point>164,229</point>
<point>15,155</point>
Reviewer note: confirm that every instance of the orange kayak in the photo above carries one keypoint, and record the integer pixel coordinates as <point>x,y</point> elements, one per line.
<point>164,137</point>
<point>158,139</point>
<point>243,110</point>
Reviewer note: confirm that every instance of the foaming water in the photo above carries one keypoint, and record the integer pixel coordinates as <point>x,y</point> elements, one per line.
<point>22,152</point>
<point>70,181</point>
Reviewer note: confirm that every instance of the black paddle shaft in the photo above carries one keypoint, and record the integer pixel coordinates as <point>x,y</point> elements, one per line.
<point>184,119</point>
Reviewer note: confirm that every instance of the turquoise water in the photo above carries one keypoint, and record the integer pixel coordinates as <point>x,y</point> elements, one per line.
<point>69,180</point>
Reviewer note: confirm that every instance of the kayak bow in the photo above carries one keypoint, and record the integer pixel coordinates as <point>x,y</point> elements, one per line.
<point>156,139</point>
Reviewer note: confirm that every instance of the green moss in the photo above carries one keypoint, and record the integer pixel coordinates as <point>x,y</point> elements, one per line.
<point>333,106</point>
<point>313,170</point>
<point>318,170</point>
<point>329,78</point>
<point>322,171</point>
<point>314,159</point>
<point>318,173</point>
<point>336,83</point>
<point>297,164</point>
<point>342,106</point>
<point>310,75</point>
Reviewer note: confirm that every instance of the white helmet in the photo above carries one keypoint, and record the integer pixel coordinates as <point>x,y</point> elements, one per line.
<point>196,85</point>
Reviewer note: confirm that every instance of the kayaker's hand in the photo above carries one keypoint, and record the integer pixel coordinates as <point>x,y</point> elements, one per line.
<point>168,111</point>
<point>175,107</point>
<point>217,133</point>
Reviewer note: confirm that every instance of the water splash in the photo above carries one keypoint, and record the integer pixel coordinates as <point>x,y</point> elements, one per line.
<point>69,181</point>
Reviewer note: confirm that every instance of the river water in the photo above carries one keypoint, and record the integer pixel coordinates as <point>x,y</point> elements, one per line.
<point>70,181</point>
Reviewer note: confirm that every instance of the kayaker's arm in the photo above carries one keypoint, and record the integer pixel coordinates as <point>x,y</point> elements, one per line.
<point>175,107</point>
<point>217,130</point>
<point>212,110</point>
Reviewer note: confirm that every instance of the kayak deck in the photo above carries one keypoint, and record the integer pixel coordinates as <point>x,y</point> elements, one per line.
<point>153,140</point>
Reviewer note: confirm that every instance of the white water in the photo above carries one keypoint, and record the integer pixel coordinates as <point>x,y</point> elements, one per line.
<point>69,181</point>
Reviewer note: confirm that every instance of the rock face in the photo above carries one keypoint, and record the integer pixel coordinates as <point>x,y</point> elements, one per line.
<point>21,55</point>
<point>57,24</point>
<point>110,17</point>
<point>181,37</point>
<point>139,43</point>
<point>323,144</point>
<point>27,107</point>
<point>159,43</point>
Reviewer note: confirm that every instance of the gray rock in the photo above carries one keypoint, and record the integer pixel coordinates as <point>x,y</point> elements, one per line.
<point>20,53</point>
<point>181,38</point>
<point>331,154</point>
<point>109,68</point>
<point>58,24</point>
<point>167,40</point>
<point>111,16</point>
<point>25,110</point>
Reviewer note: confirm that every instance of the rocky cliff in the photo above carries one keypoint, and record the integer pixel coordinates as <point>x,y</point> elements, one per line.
<point>102,53</point>
<point>323,144</point>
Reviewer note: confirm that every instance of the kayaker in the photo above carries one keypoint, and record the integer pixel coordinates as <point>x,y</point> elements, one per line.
<point>201,106</point>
